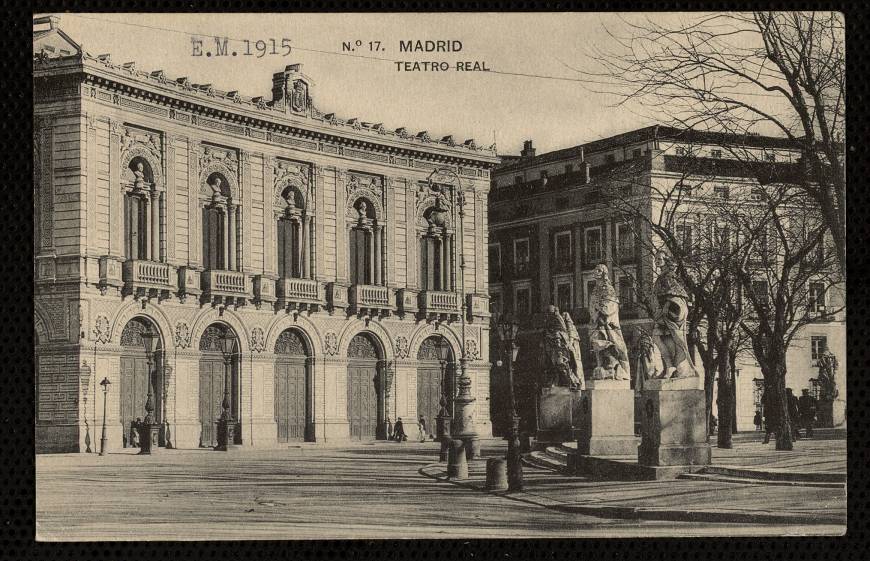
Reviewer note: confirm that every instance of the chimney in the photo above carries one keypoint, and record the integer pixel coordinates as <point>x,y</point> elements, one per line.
<point>279,84</point>
<point>52,21</point>
<point>528,150</point>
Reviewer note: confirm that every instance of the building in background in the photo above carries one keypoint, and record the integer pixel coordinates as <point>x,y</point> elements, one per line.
<point>552,222</point>
<point>317,243</point>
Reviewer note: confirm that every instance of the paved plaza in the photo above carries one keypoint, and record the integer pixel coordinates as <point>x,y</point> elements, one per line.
<point>389,490</point>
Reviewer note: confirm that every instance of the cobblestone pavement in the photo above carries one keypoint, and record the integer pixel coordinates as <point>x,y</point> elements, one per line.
<point>306,492</point>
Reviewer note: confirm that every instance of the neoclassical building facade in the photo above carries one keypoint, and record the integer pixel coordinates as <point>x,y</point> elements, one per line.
<point>329,249</point>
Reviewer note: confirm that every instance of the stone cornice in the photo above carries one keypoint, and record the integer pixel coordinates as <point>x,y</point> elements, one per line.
<point>254,114</point>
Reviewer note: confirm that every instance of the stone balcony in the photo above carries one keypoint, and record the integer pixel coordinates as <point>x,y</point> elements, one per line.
<point>299,294</point>
<point>440,304</point>
<point>225,287</point>
<point>371,300</point>
<point>147,279</point>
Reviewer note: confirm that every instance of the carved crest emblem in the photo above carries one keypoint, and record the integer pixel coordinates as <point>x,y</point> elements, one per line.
<point>101,329</point>
<point>403,349</point>
<point>331,342</point>
<point>258,340</point>
<point>182,335</point>
<point>299,97</point>
<point>471,350</point>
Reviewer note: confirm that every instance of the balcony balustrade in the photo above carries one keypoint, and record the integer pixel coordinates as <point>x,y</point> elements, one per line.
<point>149,278</point>
<point>370,298</point>
<point>227,287</point>
<point>300,293</point>
<point>436,302</point>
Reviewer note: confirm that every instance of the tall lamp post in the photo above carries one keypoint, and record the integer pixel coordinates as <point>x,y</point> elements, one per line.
<point>103,440</point>
<point>226,425</point>
<point>167,435</point>
<point>506,328</point>
<point>150,431</point>
<point>462,424</point>
<point>442,421</point>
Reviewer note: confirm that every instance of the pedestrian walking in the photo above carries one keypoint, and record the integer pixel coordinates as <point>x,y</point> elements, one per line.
<point>421,426</point>
<point>757,420</point>
<point>399,431</point>
<point>135,426</point>
<point>794,415</point>
<point>807,407</point>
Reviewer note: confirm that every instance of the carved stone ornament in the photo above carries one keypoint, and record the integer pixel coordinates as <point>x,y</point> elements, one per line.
<point>102,329</point>
<point>258,340</point>
<point>331,343</point>
<point>471,350</point>
<point>182,335</point>
<point>403,349</point>
<point>299,98</point>
<point>368,187</point>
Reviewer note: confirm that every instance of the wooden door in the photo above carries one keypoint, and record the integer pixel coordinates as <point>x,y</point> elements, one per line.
<point>362,399</point>
<point>211,394</point>
<point>133,392</point>
<point>290,399</point>
<point>429,390</point>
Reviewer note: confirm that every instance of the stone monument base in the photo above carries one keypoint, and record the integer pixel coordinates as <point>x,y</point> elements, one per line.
<point>831,413</point>
<point>558,412</point>
<point>606,423</point>
<point>674,427</point>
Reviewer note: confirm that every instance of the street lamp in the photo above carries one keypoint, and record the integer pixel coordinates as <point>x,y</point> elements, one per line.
<point>167,436</point>
<point>105,383</point>
<point>462,424</point>
<point>226,424</point>
<point>149,430</point>
<point>506,328</point>
<point>442,421</point>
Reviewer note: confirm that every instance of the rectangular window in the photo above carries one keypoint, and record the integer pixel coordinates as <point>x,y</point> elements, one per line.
<point>759,288</point>
<point>562,251</point>
<point>626,292</point>
<point>684,238</point>
<point>684,190</point>
<point>592,243</point>
<point>716,153</point>
<point>569,168</point>
<point>518,179</point>
<point>521,256</point>
<point>625,241</point>
<point>522,301</point>
<point>635,153</point>
<point>610,158</point>
<point>721,192</point>
<point>495,303</point>
<point>757,194</point>
<point>817,297</point>
<point>722,237</point>
<point>494,261</point>
<point>818,346</point>
<point>563,297</point>
<point>590,288</point>
<point>770,156</point>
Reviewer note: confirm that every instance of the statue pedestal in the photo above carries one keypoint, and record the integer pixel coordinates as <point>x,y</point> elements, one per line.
<point>831,413</point>
<point>673,427</point>
<point>558,414</point>
<point>606,423</point>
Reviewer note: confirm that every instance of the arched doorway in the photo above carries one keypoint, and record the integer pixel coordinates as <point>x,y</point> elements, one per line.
<point>364,407</point>
<point>433,379</point>
<point>211,383</point>
<point>134,376</point>
<point>292,387</point>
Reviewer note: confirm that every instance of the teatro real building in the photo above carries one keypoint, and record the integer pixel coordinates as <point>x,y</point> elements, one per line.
<point>194,245</point>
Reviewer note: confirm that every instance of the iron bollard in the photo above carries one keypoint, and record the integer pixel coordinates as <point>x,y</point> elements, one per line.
<point>496,474</point>
<point>457,466</point>
<point>445,449</point>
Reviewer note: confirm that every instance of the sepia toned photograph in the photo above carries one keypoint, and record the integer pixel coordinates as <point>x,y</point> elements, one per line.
<point>439,275</point>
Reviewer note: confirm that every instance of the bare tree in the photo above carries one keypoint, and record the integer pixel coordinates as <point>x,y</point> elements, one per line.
<point>781,73</point>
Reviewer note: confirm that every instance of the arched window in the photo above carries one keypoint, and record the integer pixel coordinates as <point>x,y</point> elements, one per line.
<point>220,226</point>
<point>141,213</point>
<point>365,246</point>
<point>436,251</point>
<point>293,236</point>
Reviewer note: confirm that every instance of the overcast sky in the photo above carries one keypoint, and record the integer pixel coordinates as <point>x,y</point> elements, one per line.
<point>554,113</point>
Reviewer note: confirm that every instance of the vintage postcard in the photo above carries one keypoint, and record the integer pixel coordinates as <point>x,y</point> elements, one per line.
<point>441,275</point>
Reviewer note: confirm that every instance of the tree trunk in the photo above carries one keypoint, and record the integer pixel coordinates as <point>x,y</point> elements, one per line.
<point>724,397</point>
<point>774,374</point>
<point>732,365</point>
